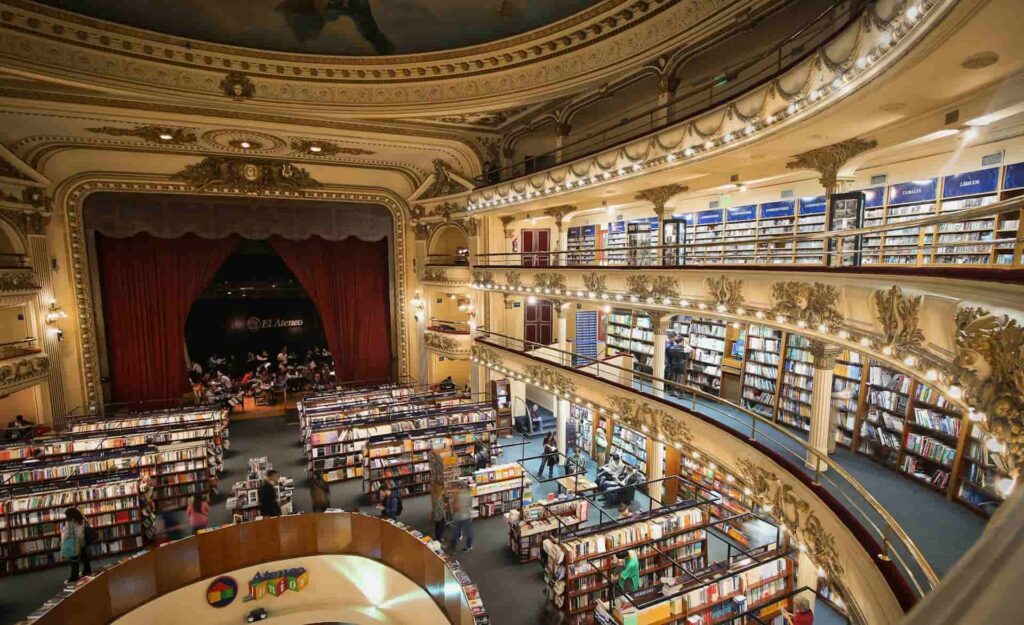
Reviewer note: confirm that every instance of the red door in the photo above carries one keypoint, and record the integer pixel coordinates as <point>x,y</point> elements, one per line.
<point>538,323</point>
<point>534,241</point>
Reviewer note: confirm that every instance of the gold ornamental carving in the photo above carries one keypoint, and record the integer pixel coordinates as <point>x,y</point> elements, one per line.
<point>28,222</point>
<point>645,286</point>
<point>443,182</point>
<point>641,416</point>
<point>326,148</point>
<point>482,277</point>
<point>659,196</point>
<point>513,279</point>
<point>154,134</point>
<point>779,500</point>
<point>248,175</point>
<point>814,304</point>
<point>550,378</point>
<point>898,315</point>
<point>724,291</point>
<point>989,353</point>
<point>486,356</point>
<point>17,281</point>
<point>421,232</point>
<point>440,342</point>
<point>237,86</point>
<point>506,221</point>
<point>471,225</point>
<point>24,370</point>
<point>558,213</point>
<point>828,160</point>
<point>435,274</point>
<point>445,211</point>
<point>594,283</point>
<point>549,282</point>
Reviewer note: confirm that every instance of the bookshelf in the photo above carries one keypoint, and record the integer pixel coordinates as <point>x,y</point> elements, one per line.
<point>847,383</point>
<point>632,332</point>
<point>675,232</point>
<point>575,580</point>
<point>810,219</point>
<point>983,472</point>
<point>973,242</point>
<point>581,244</point>
<point>530,526</point>
<point>775,219</point>
<point>583,418</point>
<point>500,489</point>
<point>707,228</point>
<point>795,394</point>
<point>707,339</point>
<point>888,403</point>
<point>762,370</point>
<point>631,447</point>
<point>642,233</point>
<point>931,439</point>
<point>244,501</point>
<point>117,506</point>
<point>614,241</point>
<point>907,201</point>
<point>740,224</point>
<point>729,500</point>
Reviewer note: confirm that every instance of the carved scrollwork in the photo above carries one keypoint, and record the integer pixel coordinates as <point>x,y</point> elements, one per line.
<point>638,415</point>
<point>659,196</point>
<point>24,370</point>
<point>828,160</point>
<point>421,231</point>
<point>237,86</point>
<point>250,175</point>
<point>325,148</point>
<point>440,342</point>
<point>724,292</point>
<point>435,274</point>
<point>646,286</point>
<point>471,225</point>
<point>154,134</point>
<point>445,210</point>
<point>813,303</point>
<point>898,315</point>
<point>595,283</point>
<point>443,182</point>
<point>513,279</point>
<point>553,281</point>
<point>483,277</point>
<point>989,352</point>
<point>486,355</point>
<point>17,281</point>
<point>777,498</point>
<point>639,285</point>
<point>551,378</point>
<point>664,286</point>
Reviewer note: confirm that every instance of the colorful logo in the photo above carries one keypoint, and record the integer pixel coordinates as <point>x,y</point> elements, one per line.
<point>276,583</point>
<point>221,592</point>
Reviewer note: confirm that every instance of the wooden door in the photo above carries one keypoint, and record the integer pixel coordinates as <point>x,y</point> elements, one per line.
<point>536,240</point>
<point>537,323</point>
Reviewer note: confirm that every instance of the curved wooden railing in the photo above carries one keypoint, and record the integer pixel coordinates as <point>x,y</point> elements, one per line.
<point>134,582</point>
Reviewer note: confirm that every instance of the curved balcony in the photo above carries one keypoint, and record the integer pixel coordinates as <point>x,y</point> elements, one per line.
<point>448,338</point>
<point>741,439</point>
<point>160,585</point>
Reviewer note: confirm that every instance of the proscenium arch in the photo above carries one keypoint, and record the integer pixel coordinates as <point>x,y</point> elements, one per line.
<point>70,198</point>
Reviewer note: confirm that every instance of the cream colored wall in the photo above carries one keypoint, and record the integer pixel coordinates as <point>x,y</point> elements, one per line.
<point>11,327</point>
<point>441,369</point>
<point>342,589</point>
<point>27,402</point>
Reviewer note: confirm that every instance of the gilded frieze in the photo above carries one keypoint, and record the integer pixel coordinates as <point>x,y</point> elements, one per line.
<point>641,416</point>
<point>248,175</point>
<point>724,291</point>
<point>551,378</point>
<point>595,283</point>
<point>553,282</point>
<point>814,304</point>
<point>898,314</point>
<point>486,355</point>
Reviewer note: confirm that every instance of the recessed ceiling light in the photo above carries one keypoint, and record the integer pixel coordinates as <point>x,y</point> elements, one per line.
<point>980,60</point>
<point>166,136</point>
<point>245,145</point>
<point>315,148</point>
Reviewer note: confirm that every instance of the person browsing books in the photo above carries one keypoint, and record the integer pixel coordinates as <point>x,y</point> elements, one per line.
<point>801,615</point>
<point>269,505</point>
<point>462,517</point>
<point>198,513</point>
<point>629,575</point>
<point>319,492</point>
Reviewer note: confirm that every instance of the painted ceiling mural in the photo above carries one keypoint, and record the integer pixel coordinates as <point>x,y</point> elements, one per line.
<point>337,27</point>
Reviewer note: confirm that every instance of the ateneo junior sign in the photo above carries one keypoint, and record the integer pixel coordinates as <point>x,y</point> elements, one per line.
<point>255,324</point>
<point>276,583</point>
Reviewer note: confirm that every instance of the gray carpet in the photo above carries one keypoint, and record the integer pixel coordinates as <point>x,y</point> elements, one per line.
<point>512,592</point>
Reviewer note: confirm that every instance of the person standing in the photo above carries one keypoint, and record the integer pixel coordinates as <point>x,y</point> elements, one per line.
<point>481,458</point>
<point>549,458</point>
<point>390,504</point>
<point>319,492</point>
<point>601,444</point>
<point>73,543</point>
<point>269,505</point>
<point>802,614</point>
<point>437,513</point>
<point>462,518</point>
<point>198,513</point>
<point>629,574</point>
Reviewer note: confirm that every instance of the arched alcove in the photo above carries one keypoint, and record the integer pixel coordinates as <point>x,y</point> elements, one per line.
<point>448,246</point>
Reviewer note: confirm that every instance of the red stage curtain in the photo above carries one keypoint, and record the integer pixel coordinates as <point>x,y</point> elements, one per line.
<point>149,285</point>
<point>348,281</point>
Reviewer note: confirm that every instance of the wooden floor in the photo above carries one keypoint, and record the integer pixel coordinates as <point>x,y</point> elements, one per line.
<point>252,411</point>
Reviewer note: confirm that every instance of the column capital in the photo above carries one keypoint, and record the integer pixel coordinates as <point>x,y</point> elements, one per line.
<point>824,354</point>
<point>562,129</point>
<point>506,221</point>
<point>659,196</point>
<point>508,299</point>
<point>829,159</point>
<point>558,213</point>
<point>661,324</point>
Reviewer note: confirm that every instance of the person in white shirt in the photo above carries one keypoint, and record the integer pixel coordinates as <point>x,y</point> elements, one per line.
<point>610,474</point>
<point>225,381</point>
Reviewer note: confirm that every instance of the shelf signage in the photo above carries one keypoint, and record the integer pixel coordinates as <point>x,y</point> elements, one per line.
<point>913,192</point>
<point>971,183</point>
<point>590,231</point>
<point>812,205</point>
<point>709,217</point>
<point>874,197</point>
<point>742,213</point>
<point>772,210</point>
<point>1014,177</point>
<point>617,226</point>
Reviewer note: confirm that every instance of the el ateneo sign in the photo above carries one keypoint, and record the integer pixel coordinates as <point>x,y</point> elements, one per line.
<point>256,324</point>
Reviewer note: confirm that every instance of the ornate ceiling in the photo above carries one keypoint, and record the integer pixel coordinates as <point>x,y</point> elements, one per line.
<point>335,27</point>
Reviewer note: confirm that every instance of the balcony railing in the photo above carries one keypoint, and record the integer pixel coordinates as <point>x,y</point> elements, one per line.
<point>447,327</point>
<point>13,261</point>
<point>448,259</point>
<point>879,523</point>
<point>732,81</point>
<point>14,349</point>
<point>863,247</point>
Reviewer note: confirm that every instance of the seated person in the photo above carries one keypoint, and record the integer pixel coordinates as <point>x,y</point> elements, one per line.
<point>610,474</point>
<point>632,480</point>
<point>447,384</point>
<point>19,429</point>
<point>575,463</point>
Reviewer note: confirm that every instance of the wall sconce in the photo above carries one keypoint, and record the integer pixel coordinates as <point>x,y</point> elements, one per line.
<point>55,313</point>
<point>418,306</point>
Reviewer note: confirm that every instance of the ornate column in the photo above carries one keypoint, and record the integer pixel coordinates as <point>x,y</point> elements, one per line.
<point>510,234</point>
<point>660,338</point>
<point>667,86</point>
<point>659,196</point>
<point>823,427</point>
<point>562,130</point>
<point>656,471</point>
<point>472,227</point>
<point>561,423</point>
<point>558,213</point>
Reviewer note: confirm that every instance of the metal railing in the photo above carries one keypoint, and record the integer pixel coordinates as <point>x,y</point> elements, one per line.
<point>445,326</point>
<point>448,259</point>
<point>861,247</point>
<point>13,261</point>
<point>729,82</point>
<point>13,349</point>
<point>895,543</point>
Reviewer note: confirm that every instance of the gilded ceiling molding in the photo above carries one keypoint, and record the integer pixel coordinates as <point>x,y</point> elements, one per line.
<point>321,147</point>
<point>659,196</point>
<point>595,283</point>
<point>422,232</point>
<point>724,291</point>
<point>898,315</point>
<point>471,225</point>
<point>248,175</point>
<point>549,282</point>
<point>28,222</point>
<point>549,378</point>
<point>780,501</point>
<point>237,86</point>
<point>71,195</point>
<point>443,343</point>
<point>8,170</point>
<point>558,213</point>
<point>814,304</point>
<point>443,183</point>
<point>989,357</point>
<point>828,160</point>
<point>164,135</point>
<point>641,416</point>
<point>445,211</point>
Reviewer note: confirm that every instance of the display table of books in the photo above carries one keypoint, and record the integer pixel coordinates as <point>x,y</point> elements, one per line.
<point>527,528</point>
<point>244,502</point>
<point>500,488</point>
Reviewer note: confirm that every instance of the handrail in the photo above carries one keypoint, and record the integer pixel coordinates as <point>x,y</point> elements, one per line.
<point>9,260</point>
<point>835,246</point>
<point>822,22</point>
<point>760,426</point>
<point>126,586</point>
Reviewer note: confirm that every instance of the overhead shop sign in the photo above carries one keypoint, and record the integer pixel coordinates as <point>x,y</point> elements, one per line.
<point>812,205</point>
<point>742,213</point>
<point>709,217</point>
<point>911,192</point>
<point>971,183</point>
<point>772,210</point>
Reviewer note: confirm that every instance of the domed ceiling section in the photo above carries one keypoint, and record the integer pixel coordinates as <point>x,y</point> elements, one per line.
<point>335,27</point>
